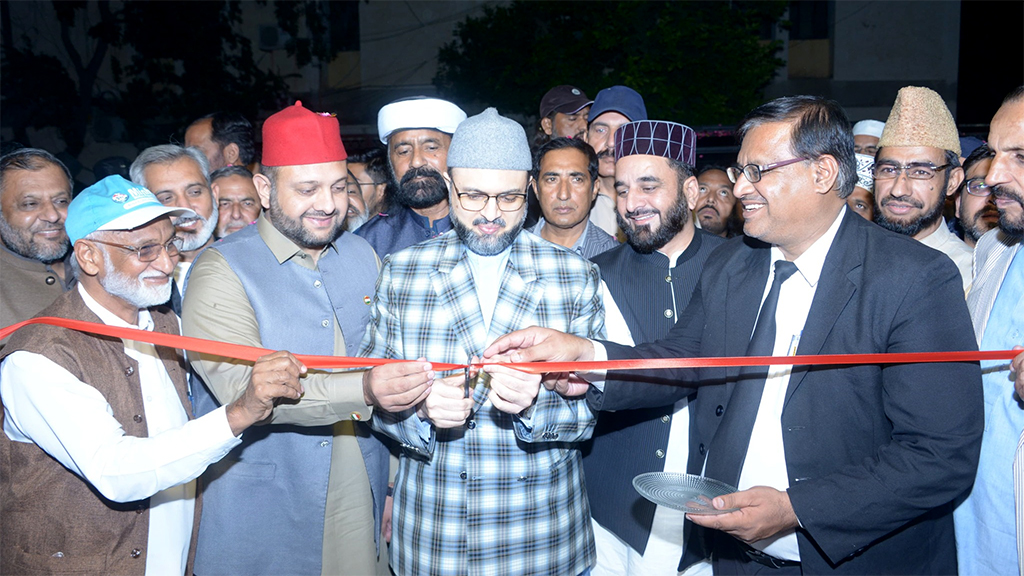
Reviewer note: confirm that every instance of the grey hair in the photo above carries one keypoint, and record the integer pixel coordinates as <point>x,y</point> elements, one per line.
<point>166,154</point>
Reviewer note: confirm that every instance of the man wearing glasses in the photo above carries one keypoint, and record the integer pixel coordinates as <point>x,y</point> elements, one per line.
<point>975,205</point>
<point>99,447</point>
<point>846,468</point>
<point>490,479</point>
<point>916,167</point>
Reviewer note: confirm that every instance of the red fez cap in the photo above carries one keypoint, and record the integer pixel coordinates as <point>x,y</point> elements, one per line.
<point>296,136</point>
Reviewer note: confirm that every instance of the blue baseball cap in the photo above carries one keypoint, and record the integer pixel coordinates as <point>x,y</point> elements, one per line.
<point>114,203</point>
<point>621,99</point>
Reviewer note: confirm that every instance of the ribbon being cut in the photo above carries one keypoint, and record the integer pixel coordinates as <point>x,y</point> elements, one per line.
<point>251,354</point>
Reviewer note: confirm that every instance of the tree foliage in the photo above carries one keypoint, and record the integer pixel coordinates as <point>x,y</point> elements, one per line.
<point>700,63</point>
<point>170,62</point>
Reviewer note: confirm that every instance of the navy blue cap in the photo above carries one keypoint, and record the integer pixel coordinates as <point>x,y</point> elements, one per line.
<point>969,144</point>
<point>621,99</point>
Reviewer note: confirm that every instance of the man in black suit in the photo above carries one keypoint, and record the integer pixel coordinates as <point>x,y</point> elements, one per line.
<point>841,469</point>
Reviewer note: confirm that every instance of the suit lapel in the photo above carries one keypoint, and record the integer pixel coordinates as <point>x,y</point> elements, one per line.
<point>839,281</point>
<point>743,294</point>
<point>521,289</point>
<point>452,282</point>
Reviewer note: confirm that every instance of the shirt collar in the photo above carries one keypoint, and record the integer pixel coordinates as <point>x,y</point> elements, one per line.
<point>281,246</point>
<point>812,260</point>
<point>578,245</point>
<point>111,319</point>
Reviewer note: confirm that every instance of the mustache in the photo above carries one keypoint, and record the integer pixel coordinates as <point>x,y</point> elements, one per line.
<point>186,220</point>
<point>711,206</point>
<point>606,153</point>
<point>499,221</point>
<point>904,200</point>
<point>420,172</point>
<point>1004,192</point>
<point>642,212</point>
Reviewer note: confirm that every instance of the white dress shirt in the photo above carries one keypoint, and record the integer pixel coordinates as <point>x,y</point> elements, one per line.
<point>765,463</point>
<point>73,422</point>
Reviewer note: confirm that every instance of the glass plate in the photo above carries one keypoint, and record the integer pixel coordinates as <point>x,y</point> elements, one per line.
<point>687,492</point>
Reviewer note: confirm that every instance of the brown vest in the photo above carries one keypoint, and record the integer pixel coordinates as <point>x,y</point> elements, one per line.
<point>51,520</point>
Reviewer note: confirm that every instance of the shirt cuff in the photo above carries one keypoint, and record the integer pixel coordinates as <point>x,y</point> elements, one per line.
<point>596,377</point>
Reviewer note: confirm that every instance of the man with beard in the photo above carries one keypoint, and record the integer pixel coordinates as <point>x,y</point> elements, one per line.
<point>489,478</point>
<point>849,469</point>
<point>100,450</point>
<point>989,539</point>
<point>181,177</point>
<point>417,132</point>
<point>238,204</point>
<point>566,174</point>
<point>612,108</point>
<point>35,189</point>
<point>916,167</point>
<point>293,280</point>
<point>975,205</point>
<point>649,281</point>
<point>716,206</point>
<point>368,181</point>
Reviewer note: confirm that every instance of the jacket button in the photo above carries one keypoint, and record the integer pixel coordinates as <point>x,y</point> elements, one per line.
<point>129,371</point>
<point>471,424</point>
<point>137,418</point>
<point>139,511</point>
<point>659,453</point>
<point>666,418</point>
<point>136,552</point>
<point>324,443</point>
<point>702,449</point>
<point>317,284</point>
<point>325,323</point>
<point>720,410</point>
<point>58,554</point>
<point>463,475</point>
<point>356,416</point>
<point>50,280</point>
<point>668,279</point>
<point>668,313</point>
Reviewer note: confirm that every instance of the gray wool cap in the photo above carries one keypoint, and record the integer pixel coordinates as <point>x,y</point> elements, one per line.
<point>490,141</point>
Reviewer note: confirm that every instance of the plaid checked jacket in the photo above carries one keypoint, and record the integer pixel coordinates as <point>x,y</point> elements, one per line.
<point>503,494</point>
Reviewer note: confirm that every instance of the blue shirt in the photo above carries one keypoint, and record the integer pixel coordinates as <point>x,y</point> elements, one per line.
<point>985,524</point>
<point>400,228</point>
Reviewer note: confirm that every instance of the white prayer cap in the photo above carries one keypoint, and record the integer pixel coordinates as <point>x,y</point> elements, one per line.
<point>868,128</point>
<point>418,113</point>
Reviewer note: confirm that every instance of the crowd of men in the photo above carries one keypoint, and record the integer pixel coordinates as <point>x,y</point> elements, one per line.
<point>461,241</point>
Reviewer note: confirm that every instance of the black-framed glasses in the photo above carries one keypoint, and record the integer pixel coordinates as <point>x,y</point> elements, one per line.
<point>477,201</point>
<point>753,172</point>
<point>149,252</point>
<point>977,187</point>
<point>914,170</point>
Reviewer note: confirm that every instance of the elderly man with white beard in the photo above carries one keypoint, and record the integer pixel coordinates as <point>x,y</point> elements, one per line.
<point>181,177</point>
<point>100,451</point>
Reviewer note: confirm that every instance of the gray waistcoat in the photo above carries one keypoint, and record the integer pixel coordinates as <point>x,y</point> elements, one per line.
<point>265,502</point>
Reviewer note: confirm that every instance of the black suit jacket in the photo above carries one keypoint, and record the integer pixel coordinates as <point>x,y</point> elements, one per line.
<point>875,454</point>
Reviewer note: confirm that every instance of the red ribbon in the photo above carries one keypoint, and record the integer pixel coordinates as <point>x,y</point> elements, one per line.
<point>251,354</point>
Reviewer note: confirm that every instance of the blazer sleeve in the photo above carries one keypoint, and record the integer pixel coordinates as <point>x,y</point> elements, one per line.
<point>554,417</point>
<point>629,389</point>
<point>936,416</point>
<point>383,340</point>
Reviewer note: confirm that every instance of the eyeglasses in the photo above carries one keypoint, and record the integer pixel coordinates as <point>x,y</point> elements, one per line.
<point>477,201</point>
<point>914,170</point>
<point>753,172</point>
<point>977,187</point>
<point>149,252</point>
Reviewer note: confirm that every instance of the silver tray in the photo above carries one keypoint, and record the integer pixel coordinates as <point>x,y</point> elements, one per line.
<point>687,492</point>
